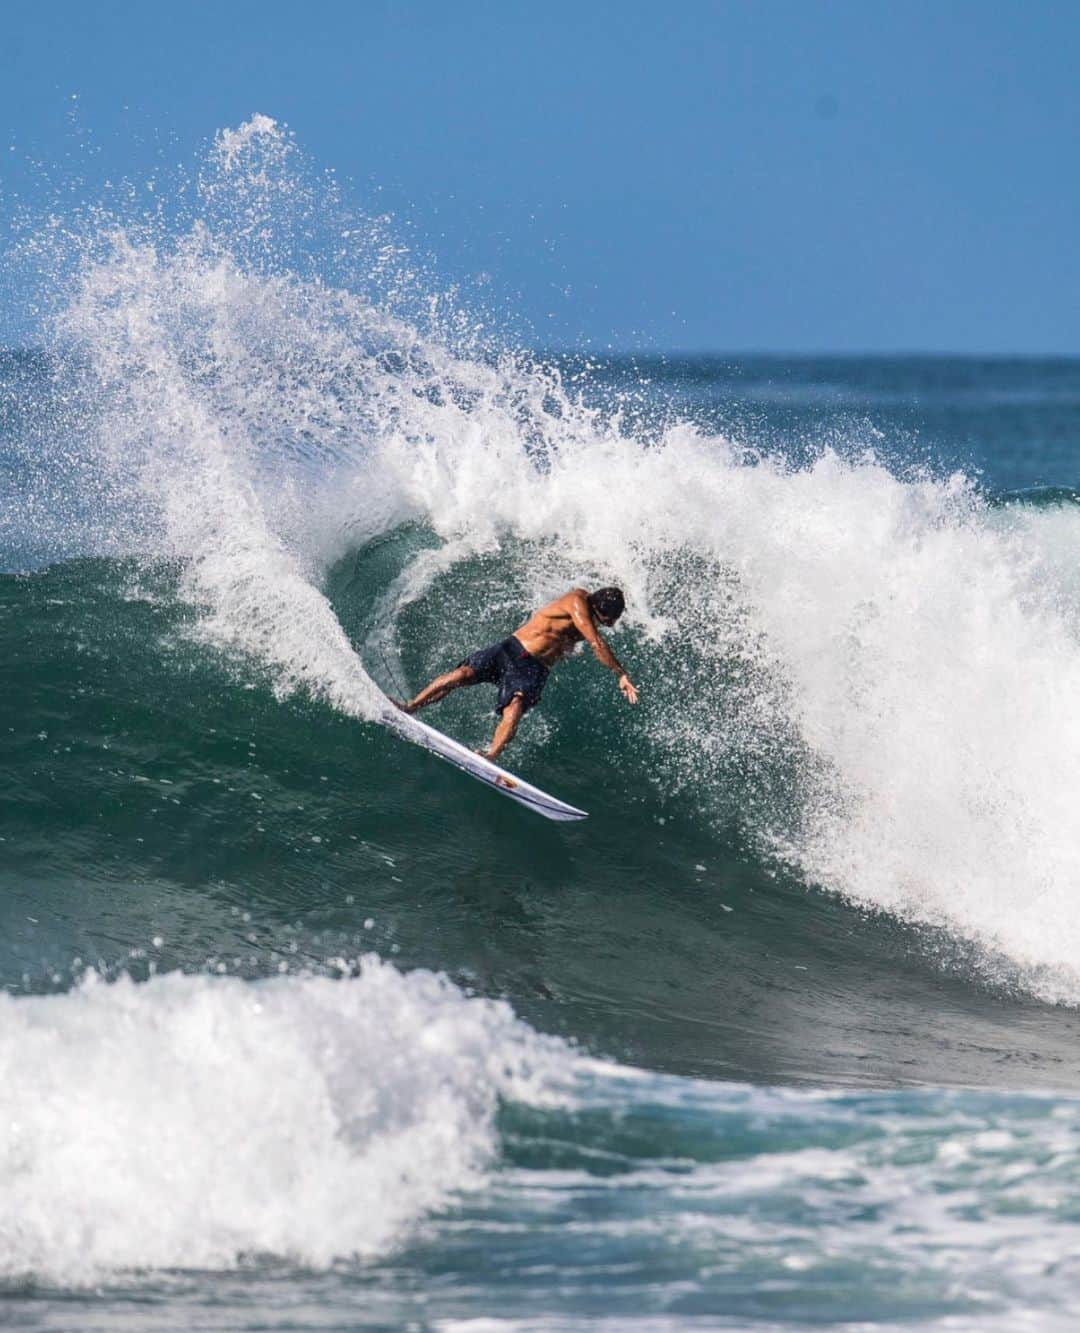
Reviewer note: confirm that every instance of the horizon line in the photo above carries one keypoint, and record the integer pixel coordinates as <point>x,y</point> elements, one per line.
<point>733,354</point>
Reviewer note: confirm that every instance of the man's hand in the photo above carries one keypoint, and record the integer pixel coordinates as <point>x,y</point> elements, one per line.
<point>628,691</point>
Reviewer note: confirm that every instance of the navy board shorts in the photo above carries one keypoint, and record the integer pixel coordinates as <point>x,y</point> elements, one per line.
<point>515,671</point>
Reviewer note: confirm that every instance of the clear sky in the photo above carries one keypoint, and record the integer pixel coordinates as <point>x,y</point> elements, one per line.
<point>814,175</point>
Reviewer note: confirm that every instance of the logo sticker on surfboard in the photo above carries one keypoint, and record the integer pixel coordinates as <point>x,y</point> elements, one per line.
<point>509,783</point>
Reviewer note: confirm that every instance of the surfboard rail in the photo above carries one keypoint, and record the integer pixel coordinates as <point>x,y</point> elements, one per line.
<point>476,766</point>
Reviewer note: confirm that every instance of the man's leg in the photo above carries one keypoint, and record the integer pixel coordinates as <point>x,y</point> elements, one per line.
<point>508,724</point>
<point>440,687</point>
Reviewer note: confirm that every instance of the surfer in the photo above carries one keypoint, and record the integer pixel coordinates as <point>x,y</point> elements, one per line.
<point>520,664</point>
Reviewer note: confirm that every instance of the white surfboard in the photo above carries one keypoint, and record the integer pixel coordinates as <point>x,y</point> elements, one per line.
<point>412,729</point>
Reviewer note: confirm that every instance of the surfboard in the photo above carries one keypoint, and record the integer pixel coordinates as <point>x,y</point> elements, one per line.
<point>506,784</point>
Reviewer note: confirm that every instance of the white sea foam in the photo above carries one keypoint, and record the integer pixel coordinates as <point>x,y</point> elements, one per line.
<point>206,1123</point>
<point>891,668</point>
<point>194,1121</point>
<point>209,1124</point>
<point>953,1210</point>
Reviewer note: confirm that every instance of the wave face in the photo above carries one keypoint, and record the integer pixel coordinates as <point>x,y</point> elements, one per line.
<point>258,474</point>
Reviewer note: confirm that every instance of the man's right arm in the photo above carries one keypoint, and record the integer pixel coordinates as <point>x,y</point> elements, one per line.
<point>583,622</point>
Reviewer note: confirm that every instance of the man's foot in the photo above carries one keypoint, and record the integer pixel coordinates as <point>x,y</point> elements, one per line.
<point>405,708</point>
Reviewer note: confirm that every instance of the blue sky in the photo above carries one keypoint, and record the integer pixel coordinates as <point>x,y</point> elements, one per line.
<point>770,175</point>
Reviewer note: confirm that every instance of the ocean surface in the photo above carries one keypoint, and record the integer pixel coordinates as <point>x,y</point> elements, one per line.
<point>300,1028</point>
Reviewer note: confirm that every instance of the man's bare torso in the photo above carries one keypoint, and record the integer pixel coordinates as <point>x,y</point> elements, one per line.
<point>550,633</point>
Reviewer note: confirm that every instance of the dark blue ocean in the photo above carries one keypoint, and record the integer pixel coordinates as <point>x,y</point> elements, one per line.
<point>302,1029</point>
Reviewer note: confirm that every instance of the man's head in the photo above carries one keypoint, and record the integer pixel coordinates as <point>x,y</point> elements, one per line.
<point>607,605</point>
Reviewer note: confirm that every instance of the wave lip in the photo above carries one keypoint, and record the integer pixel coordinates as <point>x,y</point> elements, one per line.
<point>193,1122</point>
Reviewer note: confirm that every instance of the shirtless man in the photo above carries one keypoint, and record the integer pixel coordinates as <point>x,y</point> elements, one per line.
<point>520,664</point>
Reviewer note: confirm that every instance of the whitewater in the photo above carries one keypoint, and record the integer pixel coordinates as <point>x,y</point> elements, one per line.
<point>293,1017</point>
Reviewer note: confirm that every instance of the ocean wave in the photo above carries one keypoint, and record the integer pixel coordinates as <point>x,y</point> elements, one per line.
<point>199,1121</point>
<point>335,1132</point>
<point>873,674</point>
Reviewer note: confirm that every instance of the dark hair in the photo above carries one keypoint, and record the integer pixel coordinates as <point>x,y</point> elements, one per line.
<point>608,603</point>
